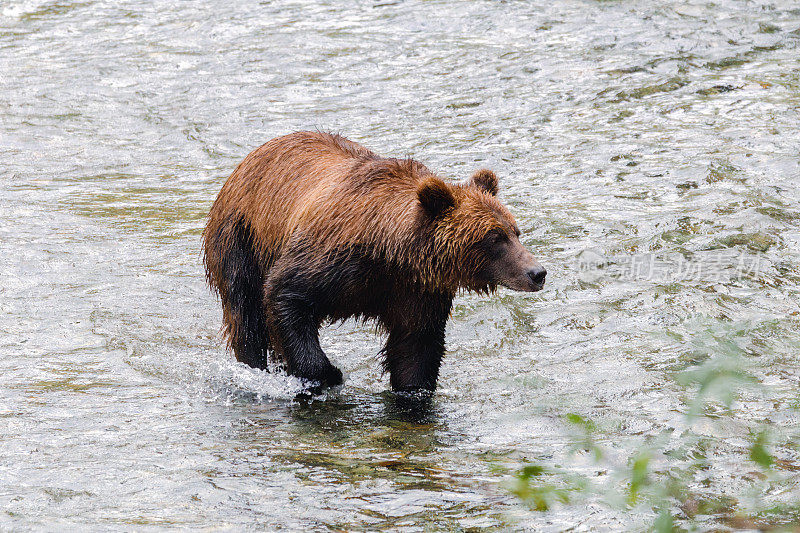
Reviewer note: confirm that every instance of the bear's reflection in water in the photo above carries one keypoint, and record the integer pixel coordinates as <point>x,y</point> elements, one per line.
<point>398,437</point>
<point>384,408</point>
<point>388,436</point>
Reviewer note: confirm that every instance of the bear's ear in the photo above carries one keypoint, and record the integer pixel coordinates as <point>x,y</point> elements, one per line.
<point>435,196</point>
<point>485,180</point>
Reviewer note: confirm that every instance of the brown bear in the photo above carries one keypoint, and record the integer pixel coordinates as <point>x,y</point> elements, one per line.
<point>312,227</point>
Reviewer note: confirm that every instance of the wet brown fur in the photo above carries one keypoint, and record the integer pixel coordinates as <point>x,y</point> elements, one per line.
<point>305,200</point>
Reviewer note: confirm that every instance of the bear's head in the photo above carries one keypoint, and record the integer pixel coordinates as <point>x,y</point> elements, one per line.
<point>475,238</point>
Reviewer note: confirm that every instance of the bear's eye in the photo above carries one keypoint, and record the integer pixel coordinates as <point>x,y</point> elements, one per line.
<point>495,237</point>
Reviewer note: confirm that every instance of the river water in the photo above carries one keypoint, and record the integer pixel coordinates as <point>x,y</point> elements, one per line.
<point>649,150</point>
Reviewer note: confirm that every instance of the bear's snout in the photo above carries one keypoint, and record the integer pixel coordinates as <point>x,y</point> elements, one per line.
<point>518,269</point>
<point>537,275</point>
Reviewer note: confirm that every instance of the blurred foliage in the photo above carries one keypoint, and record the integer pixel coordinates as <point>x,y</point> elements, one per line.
<point>539,495</point>
<point>759,453</point>
<point>668,475</point>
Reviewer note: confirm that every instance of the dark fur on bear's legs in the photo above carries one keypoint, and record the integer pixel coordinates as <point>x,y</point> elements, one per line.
<point>295,328</point>
<point>414,350</point>
<point>295,300</point>
<point>352,284</point>
<point>236,274</point>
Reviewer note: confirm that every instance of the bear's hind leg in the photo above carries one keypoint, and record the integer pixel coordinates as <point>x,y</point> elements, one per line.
<point>240,285</point>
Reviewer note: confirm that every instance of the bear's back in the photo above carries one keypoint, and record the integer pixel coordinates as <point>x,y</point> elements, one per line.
<point>323,188</point>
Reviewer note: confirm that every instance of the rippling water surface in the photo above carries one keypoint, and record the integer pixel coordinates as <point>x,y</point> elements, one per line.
<point>649,150</point>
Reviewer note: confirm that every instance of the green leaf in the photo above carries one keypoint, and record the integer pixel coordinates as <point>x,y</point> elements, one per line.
<point>578,420</point>
<point>638,476</point>
<point>664,523</point>
<point>759,453</point>
<point>532,471</point>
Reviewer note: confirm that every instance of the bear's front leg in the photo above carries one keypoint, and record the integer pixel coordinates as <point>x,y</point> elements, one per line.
<point>295,327</point>
<point>415,347</point>
<point>413,359</point>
